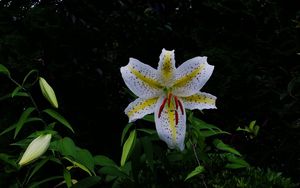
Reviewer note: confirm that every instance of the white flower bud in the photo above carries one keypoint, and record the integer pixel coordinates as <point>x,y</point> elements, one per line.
<point>35,149</point>
<point>48,92</point>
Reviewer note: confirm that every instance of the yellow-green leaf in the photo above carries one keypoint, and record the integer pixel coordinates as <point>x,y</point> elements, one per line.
<point>76,164</point>
<point>196,171</point>
<point>129,144</point>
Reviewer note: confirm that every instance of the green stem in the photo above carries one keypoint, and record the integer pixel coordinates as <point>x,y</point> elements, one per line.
<point>30,96</point>
<point>198,161</point>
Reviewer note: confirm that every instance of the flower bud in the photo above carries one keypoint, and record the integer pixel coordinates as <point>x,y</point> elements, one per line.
<point>48,92</point>
<point>35,149</point>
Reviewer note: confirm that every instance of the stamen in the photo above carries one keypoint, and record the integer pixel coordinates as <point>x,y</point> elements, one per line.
<point>176,117</point>
<point>181,107</point>
<point>162,107</point>
<point>176,102</point>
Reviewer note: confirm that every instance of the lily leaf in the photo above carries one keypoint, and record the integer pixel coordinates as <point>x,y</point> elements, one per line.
<point>102,160</point>
<point>125,130</point>
<point>112,171</point>
<point>59,118</point>
<point>222,146</point>
<point>22,120</point>
<point>4,70</point>
<point>67,177</point>
<point>37,184</point>
<point>149,118</point>
<point>36,168</point>
<point>76,164</point>
<point>129,144</point>
<point>196,171</point>
<point>87,182</point>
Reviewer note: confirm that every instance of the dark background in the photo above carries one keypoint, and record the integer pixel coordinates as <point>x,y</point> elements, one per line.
<point>80,45</point>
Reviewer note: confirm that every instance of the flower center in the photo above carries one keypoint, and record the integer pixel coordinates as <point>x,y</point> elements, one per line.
<point>173,104</point>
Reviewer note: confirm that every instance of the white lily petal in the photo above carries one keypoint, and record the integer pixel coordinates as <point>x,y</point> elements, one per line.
<point>165,121</point>
<point>140,107</point>
<point>141,79</point>
<point>191,76</point>
<point>166,67</point>
<point>35,149</point>
<point>199,101</point>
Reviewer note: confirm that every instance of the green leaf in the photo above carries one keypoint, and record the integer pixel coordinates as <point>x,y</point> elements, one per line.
<point>67,177</point>
<point>221,146</point>
<point>59,118</point>
<point>8,159</point>
<point>32,119</point>
<point>21,94</point>
<point>149,118</point>
<point>255,130</point>
<point>196,171</point>
<point>8,129</point>
<point>129,144</point>
<point>234,166</point>
<point>125,130</point>
<point>211,132</point>
<point>251,125</point>
<point>236,162</point>
<point>4,70</point>
<point>15,91</point>
<point>206,130</point>
<point>85,158</point>
<point>76,164</point>
<point>112,171</point>
<point>37,184</point>
<point>67,147</point>
<point>36,168</point>
<point>87,182</point>
<point>202,124</point>
<point>23,120</point>
<point>102,160</point>
<point>246,129</point>
<point>148,131</point>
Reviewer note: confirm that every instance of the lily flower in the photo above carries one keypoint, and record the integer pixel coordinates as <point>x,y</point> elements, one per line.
<point>167,92</point>
<point>35,149</point>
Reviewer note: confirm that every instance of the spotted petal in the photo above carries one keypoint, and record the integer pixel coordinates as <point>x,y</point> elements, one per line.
<point>169,129</point>
<point>191,76</point>
<point>141,79</point>
<point>140,107</point>
<point>199,101</point>
<point>166,67</point>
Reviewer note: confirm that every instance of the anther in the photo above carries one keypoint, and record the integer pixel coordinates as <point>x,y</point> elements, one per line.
<point>181,107</point>
<point>176,117</point>
<point>162,107</point>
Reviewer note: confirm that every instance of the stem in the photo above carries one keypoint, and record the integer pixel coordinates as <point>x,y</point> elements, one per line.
<point>30,96</point>
<point>195,152</point>
<point>198,161</point>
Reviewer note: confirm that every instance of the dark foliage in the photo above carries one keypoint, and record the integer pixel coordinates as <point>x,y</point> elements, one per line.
<point>79,46</point>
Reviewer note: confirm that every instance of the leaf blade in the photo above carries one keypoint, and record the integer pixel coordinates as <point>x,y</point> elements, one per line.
<point>22,120</point>
<point>128,145</point>
<point>59,118</point>
<point>199,169</point>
